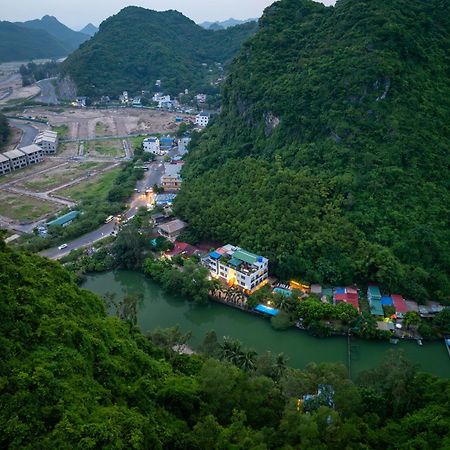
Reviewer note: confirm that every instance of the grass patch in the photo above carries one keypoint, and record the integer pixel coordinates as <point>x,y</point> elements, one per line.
<point>23,208</point>
<point>106,148</point>
<point>62,130</point>
<point>91,189</point>
<point>101,129</point>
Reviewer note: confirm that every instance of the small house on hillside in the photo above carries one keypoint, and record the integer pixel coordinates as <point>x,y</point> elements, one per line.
<point>171,230</point>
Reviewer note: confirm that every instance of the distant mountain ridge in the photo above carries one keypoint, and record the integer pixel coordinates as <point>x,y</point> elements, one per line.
<point>71,39</point>
<point>225,23</point>
<point>19,43</point>
<point>137,46</point>
<point>90,29</point>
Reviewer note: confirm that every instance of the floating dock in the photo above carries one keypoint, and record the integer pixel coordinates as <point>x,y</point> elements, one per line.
<point>447,343</point>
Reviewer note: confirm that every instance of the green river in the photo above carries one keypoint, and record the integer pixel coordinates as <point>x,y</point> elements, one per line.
<point>160,309</point>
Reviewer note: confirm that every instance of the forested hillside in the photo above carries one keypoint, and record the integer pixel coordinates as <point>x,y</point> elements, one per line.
<point>18,43</point>
<point>71,377</point>
<point>137,46</point>
<point>331,154</point>
<point>70,38</point>
<point>4,131</point>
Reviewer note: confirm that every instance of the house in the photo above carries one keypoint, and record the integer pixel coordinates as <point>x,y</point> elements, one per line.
<point>238,267</point>
<point>346,295</point>
<point>64,220</point>
<point>399,304</point>
<point>171,180</point>
<point>181,249</point>
<point>202,119</point>
<point>166,143</point>
<point>136,102</point>
<point>81,102</point>
<point>183,144</point>
<point>171,230</point>
<point>164,199</point>
<point>158,218</point>
<point>17,159</point>
<point>48,141</point>
<point>5,164</point>
<point>386,300</point>
<point>161,99</point>
<point>201,98</point>
<point>374,297</point>
<point>151,145</point>
<point>34,153</point>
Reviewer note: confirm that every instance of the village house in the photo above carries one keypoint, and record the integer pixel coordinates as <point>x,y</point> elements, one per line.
<point>48,141</point>
<point>17,159</point>
<point>171,230</point>
<point>238,267</point>
<point>34,153</point>
<point>202,119</point>
<point>5,165</point>
<point>151,145</point>
<point>171,180</point>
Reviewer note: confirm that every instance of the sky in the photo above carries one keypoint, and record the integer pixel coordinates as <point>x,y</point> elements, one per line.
<point>78,13</point>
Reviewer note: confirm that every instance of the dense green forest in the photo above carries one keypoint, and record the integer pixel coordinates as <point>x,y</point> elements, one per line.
<point>70,38</point>
<point>137,46</point>
<point>18,43</point>
<point>4,130</point>
<point>72,377</point>
<point>330,155</point>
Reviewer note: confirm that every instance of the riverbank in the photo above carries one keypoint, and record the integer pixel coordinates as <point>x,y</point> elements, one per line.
<point>161,309</point>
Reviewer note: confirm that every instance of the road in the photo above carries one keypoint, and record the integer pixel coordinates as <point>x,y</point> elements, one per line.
<point>28,132</point>
<point>48,93</point>
<point>152,176</point>
<point>10,80</point>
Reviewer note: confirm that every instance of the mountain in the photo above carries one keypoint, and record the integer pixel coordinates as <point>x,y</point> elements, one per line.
<point>89,29</point>
<point>71,39</point>
<point>73,378</point>
<point>330,155</point>
<point>158,45</point>
<point>225,24</point>
<point>18,43</point>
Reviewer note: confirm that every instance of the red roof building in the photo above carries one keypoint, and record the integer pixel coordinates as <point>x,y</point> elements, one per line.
<point>351,298</point>
<point>181,248</point>
<point>399,304</point>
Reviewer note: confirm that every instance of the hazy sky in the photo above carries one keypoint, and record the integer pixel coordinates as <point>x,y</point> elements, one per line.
<point>78,13</point>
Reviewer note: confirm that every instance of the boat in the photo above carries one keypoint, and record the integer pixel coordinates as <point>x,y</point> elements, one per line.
<point>393,341</point>
<point>419,341</point>
<point>447,343</point>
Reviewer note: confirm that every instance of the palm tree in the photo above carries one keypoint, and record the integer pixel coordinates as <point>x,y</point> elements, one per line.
<point>247,360</point>
<point>230,350</point>
<point>280,366</point>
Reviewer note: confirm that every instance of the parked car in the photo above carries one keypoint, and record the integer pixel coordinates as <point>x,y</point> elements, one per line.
<point>62,247</point>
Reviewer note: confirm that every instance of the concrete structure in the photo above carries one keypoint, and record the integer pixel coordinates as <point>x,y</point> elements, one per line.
<point>202,119</point>
<point>238,267</point>
<point>17,159</point>
<point>152,145</point>
<point>171,230</point>
<point>5,165</point>
<point>183,144</point>
<point>48,141</point>
<point>34,153</point>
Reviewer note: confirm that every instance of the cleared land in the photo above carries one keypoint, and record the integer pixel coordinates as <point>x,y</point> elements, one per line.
<point>113,148</point>
<point>61,175</point>
<point>94,187</point>
<point>90,123</point>
<point>22,208</point>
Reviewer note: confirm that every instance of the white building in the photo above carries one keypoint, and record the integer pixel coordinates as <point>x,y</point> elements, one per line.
<point>48,141</point>
<point>202,119</point>
<point>34,153</point>
<point>5,165</point>
<point>151,145</point>
<point>238,267</point>
<point>201,98</point>
<point>17,159</point>
<point>161,99</point>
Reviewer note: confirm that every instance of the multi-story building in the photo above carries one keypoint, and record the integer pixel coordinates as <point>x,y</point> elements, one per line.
<point>5,164</point>
<point>34,153</point>
<point>202,119</point>
<point>17,159</point>
<point>238,267</point>
<point>48,141</point>
<point>152,145</point>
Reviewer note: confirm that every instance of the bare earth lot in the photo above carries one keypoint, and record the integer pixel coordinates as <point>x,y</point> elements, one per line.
<point>90,123</point>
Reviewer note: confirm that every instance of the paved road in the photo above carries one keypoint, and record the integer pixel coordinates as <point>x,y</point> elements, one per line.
<point>10,80</point>
<point>152,176</point>
<point>48,93</point>
<point>28,132</point>
<point>6,93</point>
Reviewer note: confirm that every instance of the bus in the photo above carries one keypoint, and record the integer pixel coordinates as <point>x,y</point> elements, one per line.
<point>109,219</point>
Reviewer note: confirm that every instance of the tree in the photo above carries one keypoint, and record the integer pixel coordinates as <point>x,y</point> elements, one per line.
<point>411,318</point>
<point>442,321</point>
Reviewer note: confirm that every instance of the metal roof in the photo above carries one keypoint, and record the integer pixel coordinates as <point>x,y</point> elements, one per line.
<point>246,256</point>
<point>64,219</point>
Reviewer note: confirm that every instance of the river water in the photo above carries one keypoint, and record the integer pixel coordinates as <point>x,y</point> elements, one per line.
<point>161,309</point>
